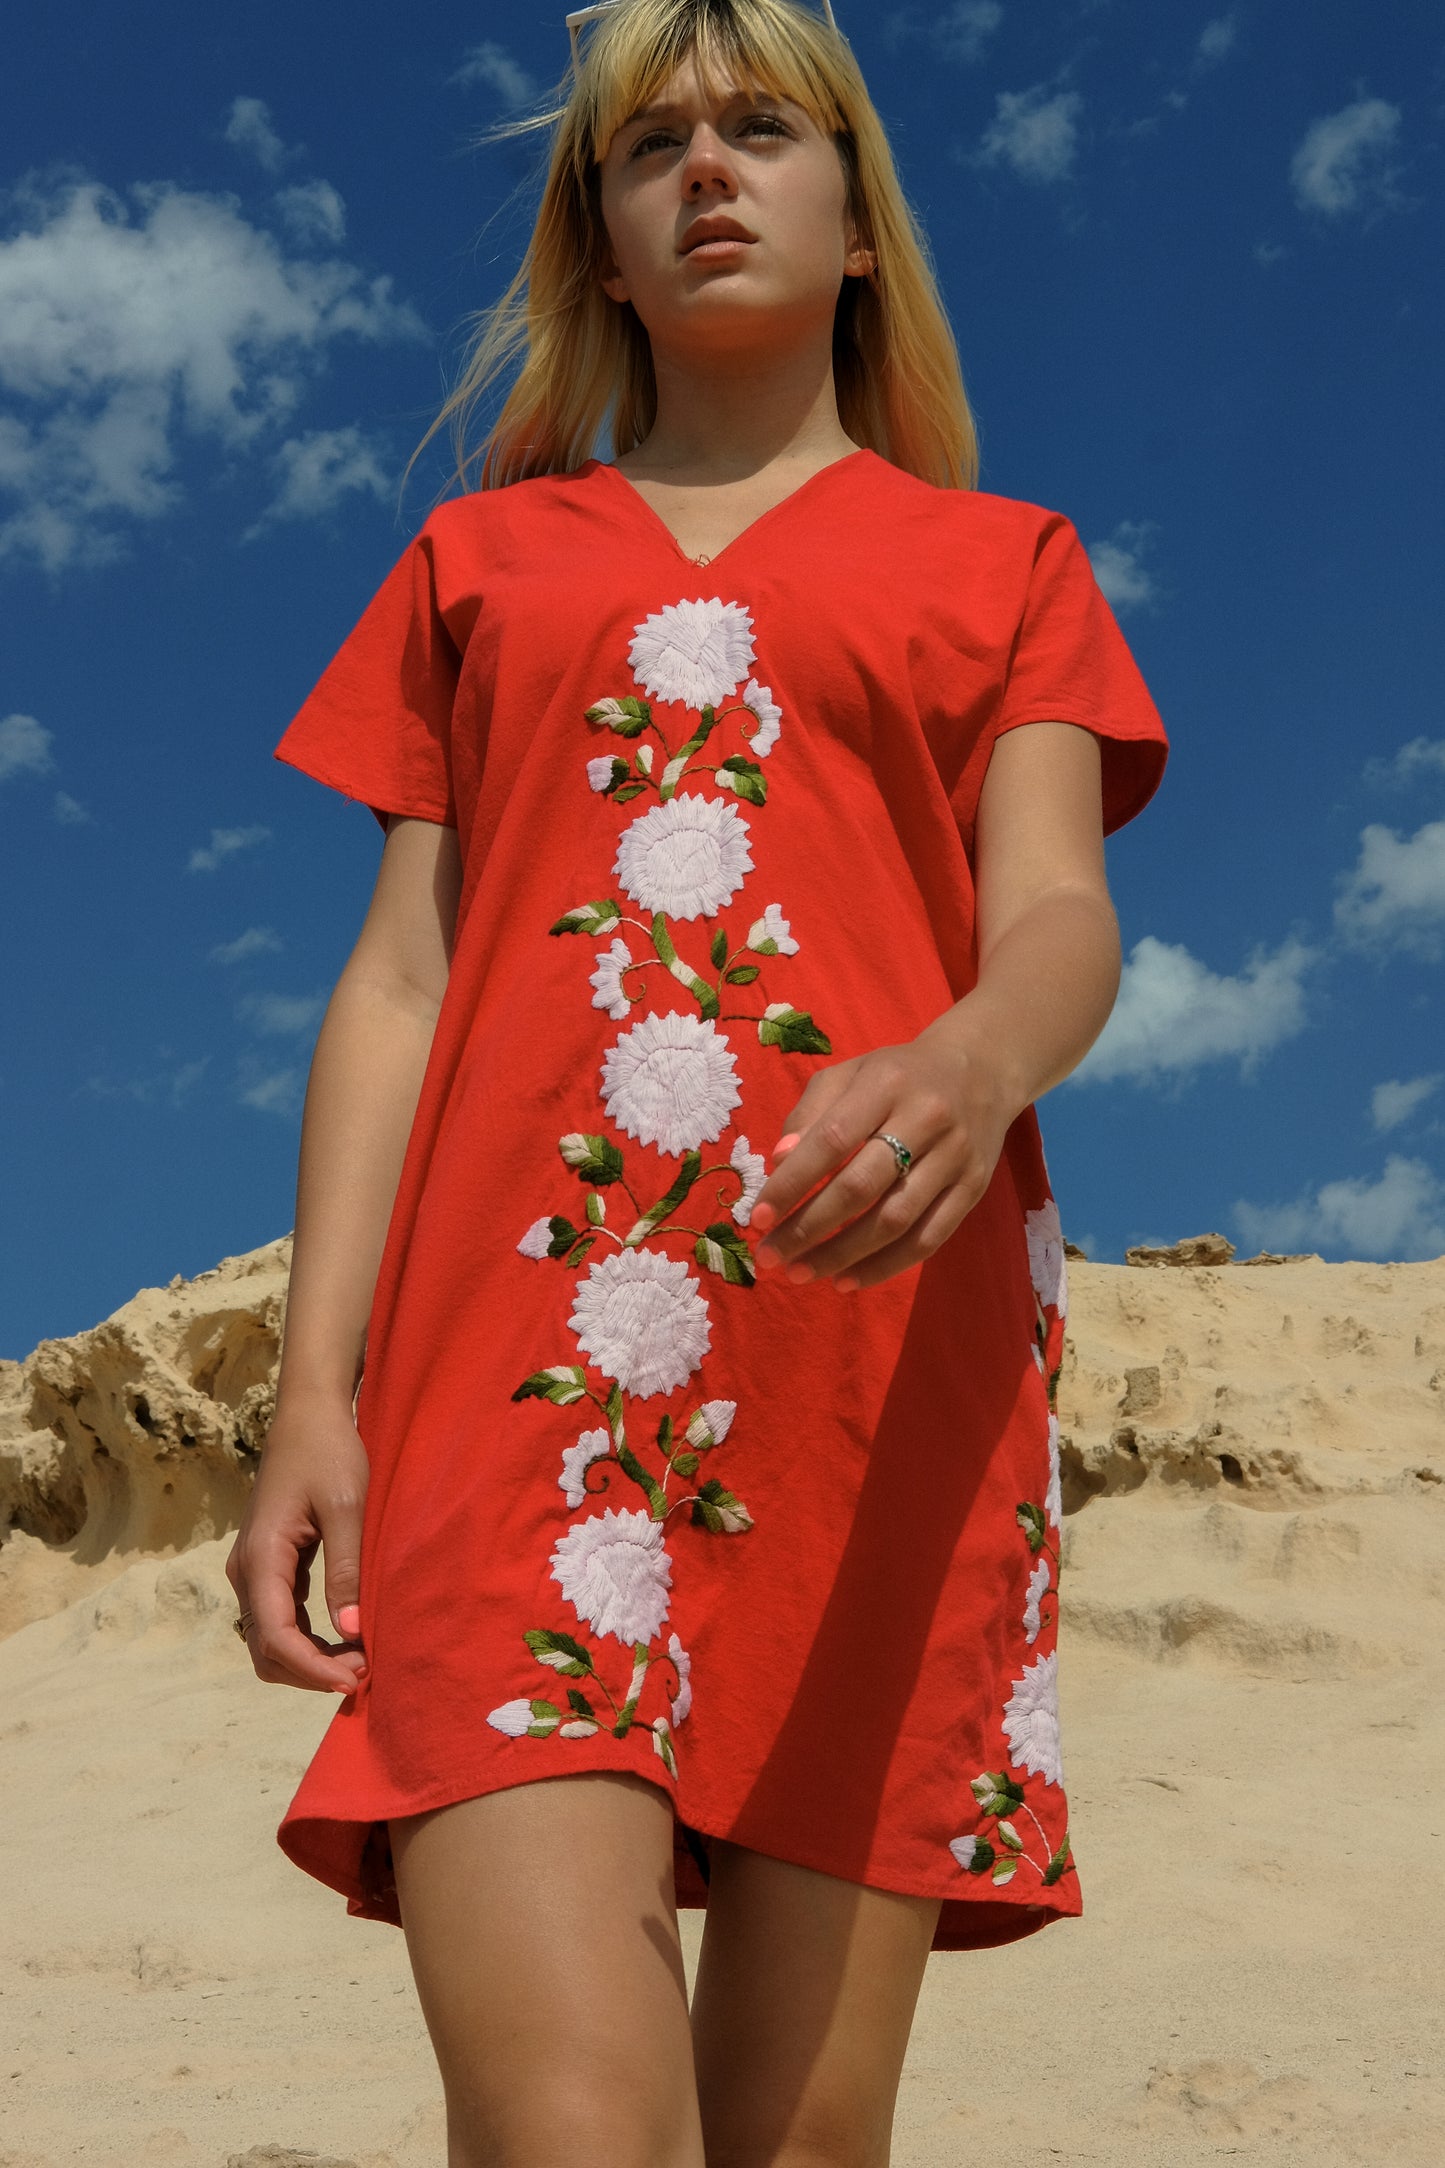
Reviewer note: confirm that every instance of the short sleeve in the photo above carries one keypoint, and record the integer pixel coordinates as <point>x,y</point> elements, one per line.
<point>377,725</point>
<point>1071,664</point>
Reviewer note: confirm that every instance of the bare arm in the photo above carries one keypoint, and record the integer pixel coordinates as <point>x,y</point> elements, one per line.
<point>1048,976</point>
<point>361,1098</point>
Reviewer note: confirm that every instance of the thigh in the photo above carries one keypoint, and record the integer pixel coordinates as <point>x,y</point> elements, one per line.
<point>542,1931</point>
<point>805,1993</point>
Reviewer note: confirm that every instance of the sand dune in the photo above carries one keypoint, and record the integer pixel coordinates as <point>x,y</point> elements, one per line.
<point>1252,1664</point>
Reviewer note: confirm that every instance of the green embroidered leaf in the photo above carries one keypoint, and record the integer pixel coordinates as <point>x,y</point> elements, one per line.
<point>721,1249</point>
<point>592,1159</point>
<point>1058,1863</point>
<point>1031,1519</point>
<point>687,1174</point>
<point>664,1432</point>
<point>579,1249</point>
<point>560,1652</point>
<point>628,790</point>
<point>716,1509</point>
<point>579,1703</point>
<point>792,1029</point>
<point>594,917</point>
<point>707,723</point>
<point>1005,1870</point>
<point>718,948</point>
<point>739,764</point>
<point>752,786</point>
<point>596,1210</point>
<point>671,775</point>
<point>741,974</point>
<point>564,1234</point>
<point>628,716</point>
<point>633,1466</point>
<point>702,993</point>
<point>546,1716</point>
<point>1011,1836</point>
<point>687,1463</point>
<point>621,770</point>
<point>561,1384</point>
<point>984,1856</point>
<point>614,1410</point>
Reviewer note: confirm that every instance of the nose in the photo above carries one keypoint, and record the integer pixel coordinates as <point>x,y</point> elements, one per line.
<point>708,163</point>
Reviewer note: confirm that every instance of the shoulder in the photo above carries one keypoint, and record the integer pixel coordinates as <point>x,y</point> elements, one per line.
<point>483,519</point>
<point>1003,536</point>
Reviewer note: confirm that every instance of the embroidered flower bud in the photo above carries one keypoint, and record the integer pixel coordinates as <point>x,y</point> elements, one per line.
<point>519,1719</point>
<point>770,935</point>
<point>578,1727</point>
<point>643,757</point>
<point>711,1423</point>
<point>599,771</point>
<point>536,1240</point>
<point>1011,1836</point>
<point>575,1148</point>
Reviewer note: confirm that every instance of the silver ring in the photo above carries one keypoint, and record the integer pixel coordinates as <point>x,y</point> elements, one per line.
<point>242,1623</point>
<point>903,1158</point>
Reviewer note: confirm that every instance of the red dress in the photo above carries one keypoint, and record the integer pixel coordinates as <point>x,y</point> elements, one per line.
<point>788,1553</point>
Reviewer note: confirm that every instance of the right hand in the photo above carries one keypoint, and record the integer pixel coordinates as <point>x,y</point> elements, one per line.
<point>310,1490</point>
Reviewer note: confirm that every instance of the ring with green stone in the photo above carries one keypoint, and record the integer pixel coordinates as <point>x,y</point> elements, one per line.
<point>902,1156</point>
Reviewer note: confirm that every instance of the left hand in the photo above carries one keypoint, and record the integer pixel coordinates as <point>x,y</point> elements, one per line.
<point>944,1099</point>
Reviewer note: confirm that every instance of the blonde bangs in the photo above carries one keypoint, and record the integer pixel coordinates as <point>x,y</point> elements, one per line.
<point>584,362</point>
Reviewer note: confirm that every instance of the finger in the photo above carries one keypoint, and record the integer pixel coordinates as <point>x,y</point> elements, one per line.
<point>868,1175</point>
<point>932,1228</point>
<point>818,1095</point>
<point>341,1519</point>
<point>284,1653</point>
<point>897,1208</point>
<point>832,1130</point>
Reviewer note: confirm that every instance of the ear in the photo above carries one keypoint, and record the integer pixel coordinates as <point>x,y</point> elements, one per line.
<point>609,278</point>
<point>859,262</point>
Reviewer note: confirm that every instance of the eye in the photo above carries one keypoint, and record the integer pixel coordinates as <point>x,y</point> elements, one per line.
<point>768,122</point>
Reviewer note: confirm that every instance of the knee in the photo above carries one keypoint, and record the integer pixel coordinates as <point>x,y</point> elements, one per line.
<point>573,2119</point>
<point>821,2137</point>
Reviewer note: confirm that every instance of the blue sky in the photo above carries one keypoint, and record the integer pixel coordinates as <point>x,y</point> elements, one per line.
<point>1192,262</point>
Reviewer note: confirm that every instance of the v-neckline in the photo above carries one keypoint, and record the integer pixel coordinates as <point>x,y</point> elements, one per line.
<point>655,518</point>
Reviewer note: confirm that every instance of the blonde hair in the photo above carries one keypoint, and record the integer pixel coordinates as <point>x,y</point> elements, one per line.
<point>585,359</point>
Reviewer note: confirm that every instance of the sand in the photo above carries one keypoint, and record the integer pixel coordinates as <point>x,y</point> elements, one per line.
<point>1252,1670</point>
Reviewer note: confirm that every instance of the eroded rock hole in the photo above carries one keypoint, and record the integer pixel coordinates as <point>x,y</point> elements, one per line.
<point>1230,1469</point>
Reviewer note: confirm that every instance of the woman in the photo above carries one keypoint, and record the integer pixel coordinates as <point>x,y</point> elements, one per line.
<point>670,1158</point>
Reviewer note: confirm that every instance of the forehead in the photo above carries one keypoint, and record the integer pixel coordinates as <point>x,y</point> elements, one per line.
<point>649,87</point>
<point>726,95</point>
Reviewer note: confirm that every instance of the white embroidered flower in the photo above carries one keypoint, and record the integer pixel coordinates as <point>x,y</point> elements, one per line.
<point>535,1241</point>
<point>1046,1257</point>
<point>1038,1582</point>
<point>615,1572</point>
<point>963,1849</point>
<point>641,1318</point>
<point>754,1170</point>
<point>577,1459</point>
<point>599,771</point>
<point>712,1422</point>
<point>772,926</point>
<point>1031,1719</point>
<point>513,1717</point>
<point>683,1700</point>
<point>607,978</point>
<point>760,699</point>
<point>694,652</point>
<point>687,857</point>
<point>1053,1496</point>
<point>671,1081</point>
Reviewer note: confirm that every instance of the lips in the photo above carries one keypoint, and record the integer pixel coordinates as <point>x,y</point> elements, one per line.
<point>714,229</point>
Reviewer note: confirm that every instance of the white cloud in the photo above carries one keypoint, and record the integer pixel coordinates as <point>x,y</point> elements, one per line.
<point>282,1015</point>
<point>255,941</point>
<point>1217,38</point>
<point>963,30</point>
<point>1119,567</point>
<point>1394,1103</point>
<point>169,1086</point>
<point>1400,1217</point>
<point>1422,757</point>
<point>69,811</point>
<point>493,66</point>
<point>224,843</point>
<point>126,331</point>
<point>313,211</point>
<point>1342,163</point>
<point>1268,252</point>
<point>24,747</point>
<point>273,1091</point>
<point>1035,135</point>
<point>248,128</point>
<point>1394,897</point>
<point>1174,1014</point>
<point>316,471</point>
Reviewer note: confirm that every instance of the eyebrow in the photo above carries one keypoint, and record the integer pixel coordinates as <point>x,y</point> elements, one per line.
<point>664,112</point>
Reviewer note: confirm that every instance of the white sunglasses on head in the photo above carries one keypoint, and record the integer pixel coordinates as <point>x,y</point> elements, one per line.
<point>579,16</point>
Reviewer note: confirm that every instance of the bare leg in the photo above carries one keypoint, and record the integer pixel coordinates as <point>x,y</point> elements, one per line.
<point>805,1994</point>
<point>542,1931</point>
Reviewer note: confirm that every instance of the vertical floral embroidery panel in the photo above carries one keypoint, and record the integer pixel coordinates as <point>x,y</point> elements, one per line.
<point>659,1228</point>
<point>997,1846</point>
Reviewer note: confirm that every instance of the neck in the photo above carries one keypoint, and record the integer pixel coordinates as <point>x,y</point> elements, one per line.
<point>722,417</point>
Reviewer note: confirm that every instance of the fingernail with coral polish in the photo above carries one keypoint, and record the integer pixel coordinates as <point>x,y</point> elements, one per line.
<point>348,1618</point>
<point>785,1144</point>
